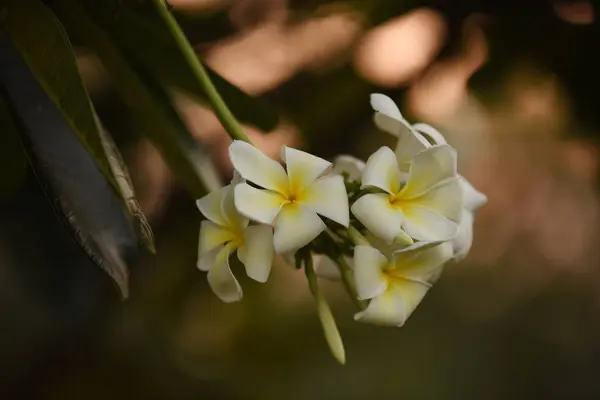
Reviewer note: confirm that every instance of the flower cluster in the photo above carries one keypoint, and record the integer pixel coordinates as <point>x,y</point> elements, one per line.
<point>385,228</point>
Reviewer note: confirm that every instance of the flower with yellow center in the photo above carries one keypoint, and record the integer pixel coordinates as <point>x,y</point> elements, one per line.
<point>396,286</point>
<point>224,232</point>
<point>413,139</point>
<point>291,201</point>
<point>424,204</point>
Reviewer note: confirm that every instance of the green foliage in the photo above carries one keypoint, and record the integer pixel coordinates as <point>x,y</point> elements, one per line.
<point>45,47</point>
<point>13,163</point>
<point>154,113</point>
<point>138,43</point>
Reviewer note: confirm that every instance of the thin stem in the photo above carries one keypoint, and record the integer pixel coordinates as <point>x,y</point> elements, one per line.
<point>330,330</point>
<point>357,238</point>
<point>349,283</point>
<point>228,120</point>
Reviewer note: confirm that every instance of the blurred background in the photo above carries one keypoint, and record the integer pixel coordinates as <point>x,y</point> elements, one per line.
<point>512,85</point>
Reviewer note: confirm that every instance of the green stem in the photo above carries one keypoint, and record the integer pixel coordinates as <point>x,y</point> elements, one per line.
<point>330,330</point>
<point>349,283</point>
<point>357,238</point>
<point>228,120</point>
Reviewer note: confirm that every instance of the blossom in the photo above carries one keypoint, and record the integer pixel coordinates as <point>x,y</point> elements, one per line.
<point>473,200</point>
<point>224,232</point>
<point>291,201</point>
<point>349,165</point>
<point>388,118</point>
<point>396,286</point>
<point>424,204</point>
<point>415,138</point>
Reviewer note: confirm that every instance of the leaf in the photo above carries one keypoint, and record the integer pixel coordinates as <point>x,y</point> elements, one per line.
<point>81,195</point>
<point>138,30</point>
<point>119,171</point>
<point>45,47</point>
<point>13,163</point>
<point>178,147</point>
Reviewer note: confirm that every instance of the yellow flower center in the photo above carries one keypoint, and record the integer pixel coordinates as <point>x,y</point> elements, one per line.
<point>391,274</point>
<point>395,199</point>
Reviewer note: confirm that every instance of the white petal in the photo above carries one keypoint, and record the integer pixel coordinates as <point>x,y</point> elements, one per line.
<point>210,206</point>
<point>328,197</point>
<point>472,198</point>
<point>376,213</point>
<point>431,133</point>
<point>421,261</point>
<point>385,105</point>
<point>206,260</point>
<point>256,167</point>
<point>395,126</point>
<point>408,146</point>
<point>446,198</point>
<point>463,241</point>
<point>395,305</point>
<point>257,204</point>
<point>212,236</point>
<point>295,227</point>
<point>429,168</point>
<point>381,171</point>
<point>326,268</point>
<point>368,272</point>
<point>351,165</point>
<point>421,223</point>
<point>257,252</point>
<point>302,168</point>
<point>230,212</point>
<point>386,248</point>
<point>221,279</point>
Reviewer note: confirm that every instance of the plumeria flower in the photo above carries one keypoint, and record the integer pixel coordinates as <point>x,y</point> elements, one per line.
<point>224,232</point>
<point>412,140</point>
<point>352,166</point>
<point>425,206</point>
<point>327,268</point>
<point>388,118</point>
<point>291,201</point>
<point>396,286</point>
<point>473,200</point>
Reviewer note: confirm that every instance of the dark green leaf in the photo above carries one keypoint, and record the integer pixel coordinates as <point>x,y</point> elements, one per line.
<point>82,197</point>
<point>160,123</point>
<point>119,170</point>
<point>13,163</point>
<point>46,49</point>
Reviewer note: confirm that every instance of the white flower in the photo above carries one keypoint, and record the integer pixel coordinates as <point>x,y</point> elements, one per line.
<point>290,201</point>
<point>388,118</point>
<point>327,268</point>
<point>412,140</point>
<point>350,165</point>
<point>396,286</point>
<point>473,200</point>
<point>224,232</point>
<point>425,204</point>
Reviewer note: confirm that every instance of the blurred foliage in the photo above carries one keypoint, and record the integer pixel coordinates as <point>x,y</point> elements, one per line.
<point>505,324</point>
